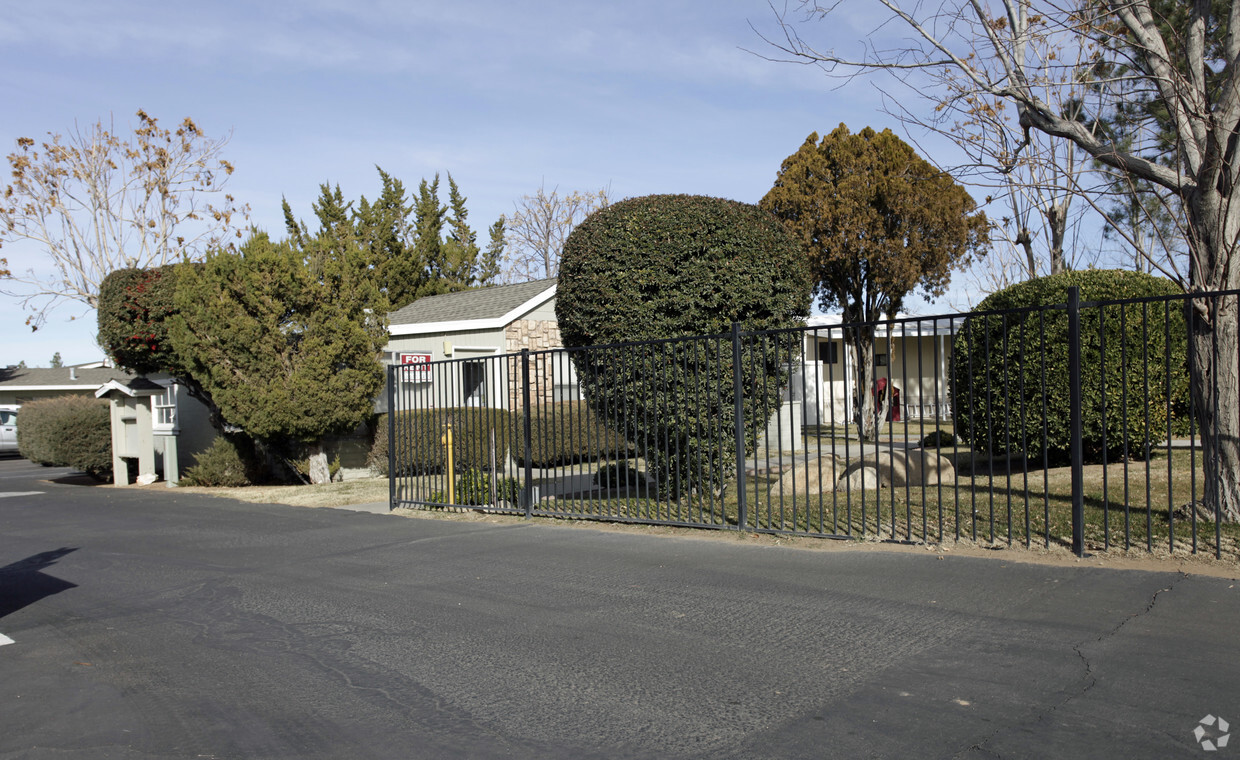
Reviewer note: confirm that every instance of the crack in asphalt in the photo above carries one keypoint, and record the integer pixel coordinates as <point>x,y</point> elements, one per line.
<point>1087,678</point>
<point>1089,667</point>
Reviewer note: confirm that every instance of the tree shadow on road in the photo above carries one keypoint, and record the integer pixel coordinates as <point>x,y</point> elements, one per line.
<point>23,583</point>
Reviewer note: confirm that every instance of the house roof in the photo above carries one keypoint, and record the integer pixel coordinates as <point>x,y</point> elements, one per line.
<point>481,309</point>
<point>59,379</point>
<point>132,387</point>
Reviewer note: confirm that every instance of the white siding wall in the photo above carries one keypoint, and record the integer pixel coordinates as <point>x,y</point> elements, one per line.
<point>446,382</point>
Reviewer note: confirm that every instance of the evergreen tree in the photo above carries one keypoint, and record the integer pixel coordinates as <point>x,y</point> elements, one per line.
<point>489,266</point>
<point>877,222</point>
<point>334,213</point>
<point>385,229</point>
<point>428,216</point>
<point>56,363</point>
<point>286,339</point>
<point>460,248</point>
<point>414,247</point>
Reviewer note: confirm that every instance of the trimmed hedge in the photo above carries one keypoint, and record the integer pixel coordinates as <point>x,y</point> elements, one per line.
<point>676,266</point>
<point>134,307</point>
<point>998,363</point>
<point>71,431</point>
<point>566,432</point>
<point>619,475</point>
<point>939,439</point>
<point>561,433</point>
<point>33,431</point>
<point>419,434</point>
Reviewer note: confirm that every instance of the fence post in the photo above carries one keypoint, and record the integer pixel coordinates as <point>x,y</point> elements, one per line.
<point>1074,421</point>
<point>391,431</point>
<point>738,425</point>
<point>528,489</point>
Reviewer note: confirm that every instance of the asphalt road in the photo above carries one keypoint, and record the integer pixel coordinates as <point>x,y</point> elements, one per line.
<point>158,624</point>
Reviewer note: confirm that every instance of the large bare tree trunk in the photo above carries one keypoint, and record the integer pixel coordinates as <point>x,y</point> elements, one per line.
<point>1214,230</point>
<point>1216,396</point>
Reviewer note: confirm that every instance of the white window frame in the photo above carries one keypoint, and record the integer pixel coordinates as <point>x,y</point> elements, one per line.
<point>164,410</point>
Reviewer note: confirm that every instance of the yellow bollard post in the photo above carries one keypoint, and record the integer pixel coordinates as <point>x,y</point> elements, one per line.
<point>447,439</point>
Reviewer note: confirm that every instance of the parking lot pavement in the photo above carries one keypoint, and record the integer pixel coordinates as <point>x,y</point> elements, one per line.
<point>152,623</point>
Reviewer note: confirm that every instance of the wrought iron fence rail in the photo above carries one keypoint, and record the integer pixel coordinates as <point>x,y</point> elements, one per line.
<point>757,431</point>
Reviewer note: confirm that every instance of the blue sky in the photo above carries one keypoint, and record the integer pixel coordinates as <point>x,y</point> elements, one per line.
<point>645,96</point>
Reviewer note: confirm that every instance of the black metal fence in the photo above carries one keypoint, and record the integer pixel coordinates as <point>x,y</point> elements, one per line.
<point>1075,424</point>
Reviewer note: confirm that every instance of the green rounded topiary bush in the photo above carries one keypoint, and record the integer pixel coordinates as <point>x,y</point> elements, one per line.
<point>70,431</point>
<point>674,266</point>
<point>1000,401</point>
<point>221,465</point>
<point>619,475</point>
<point>939,439</point>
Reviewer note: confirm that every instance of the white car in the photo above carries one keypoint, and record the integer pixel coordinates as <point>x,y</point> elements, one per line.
<point>8,428</point>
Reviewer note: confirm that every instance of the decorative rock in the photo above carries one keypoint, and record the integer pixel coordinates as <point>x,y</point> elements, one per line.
<point>807,478</point>
<point>905,467</point>
<point>914,467</point>
<point>147,479</point>
<point>858,477</point>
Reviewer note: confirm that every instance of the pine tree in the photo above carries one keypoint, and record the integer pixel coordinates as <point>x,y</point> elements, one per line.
<point>415,246</point>
<point>286,339</point>
<point>428,215</point>
<point>489,266</point>
<point>460,249</point>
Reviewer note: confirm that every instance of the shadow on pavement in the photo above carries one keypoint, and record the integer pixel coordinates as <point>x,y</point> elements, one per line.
<point>23,583</point>
<point>76,479</point>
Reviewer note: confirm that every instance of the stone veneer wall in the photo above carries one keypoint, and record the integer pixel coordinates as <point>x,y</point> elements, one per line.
<point>536,335</point>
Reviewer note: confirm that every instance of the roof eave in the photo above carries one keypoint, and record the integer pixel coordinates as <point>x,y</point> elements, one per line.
<point>462,325</point>
<point>119,387</point>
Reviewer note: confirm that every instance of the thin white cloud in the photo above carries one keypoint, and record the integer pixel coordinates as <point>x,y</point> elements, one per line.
<point>649,96</point>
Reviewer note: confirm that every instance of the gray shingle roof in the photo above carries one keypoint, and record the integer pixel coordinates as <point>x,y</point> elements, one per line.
<point>42,377</point>
<point>484,303</point>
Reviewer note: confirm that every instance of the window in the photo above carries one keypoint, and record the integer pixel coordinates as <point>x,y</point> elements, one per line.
<point>474,380</point>
<point>829,353</point>
<point>165,408</point>
<point>880,360</point>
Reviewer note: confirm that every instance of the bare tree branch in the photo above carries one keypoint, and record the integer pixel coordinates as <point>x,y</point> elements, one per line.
<point>94,202</point>
<point>535,233</point>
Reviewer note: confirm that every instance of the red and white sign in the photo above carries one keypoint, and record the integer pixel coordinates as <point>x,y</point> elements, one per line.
<point>417,366</point>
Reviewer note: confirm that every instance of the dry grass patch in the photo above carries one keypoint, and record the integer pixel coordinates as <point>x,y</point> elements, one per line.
<point>342,494</point>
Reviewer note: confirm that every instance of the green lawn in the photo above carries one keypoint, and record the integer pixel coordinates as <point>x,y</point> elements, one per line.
<point>991,505</point>
<point>999,502</point>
